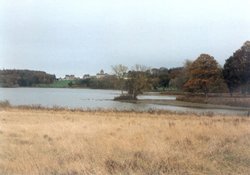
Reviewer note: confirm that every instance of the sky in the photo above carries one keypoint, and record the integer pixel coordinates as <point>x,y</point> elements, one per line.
<point>84,36</point>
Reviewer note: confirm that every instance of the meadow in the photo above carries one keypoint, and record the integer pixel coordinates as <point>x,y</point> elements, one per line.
<point>40,141</point>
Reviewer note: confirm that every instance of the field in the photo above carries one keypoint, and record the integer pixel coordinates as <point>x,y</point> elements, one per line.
<point>105,142</point>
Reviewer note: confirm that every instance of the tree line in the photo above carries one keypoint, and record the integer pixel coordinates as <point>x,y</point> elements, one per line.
<point>24,78</point>
<point>203,75</point>
<point>155,79</point>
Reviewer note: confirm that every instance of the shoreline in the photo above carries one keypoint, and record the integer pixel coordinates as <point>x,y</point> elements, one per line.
<point>191,104</point>
<point>244,111</point>
<point>56,109</point>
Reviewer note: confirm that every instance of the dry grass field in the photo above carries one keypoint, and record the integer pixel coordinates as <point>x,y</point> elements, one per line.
<point>72,142</point>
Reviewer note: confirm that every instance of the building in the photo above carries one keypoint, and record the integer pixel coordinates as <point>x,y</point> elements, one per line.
<point>69,77</point>
<point>101,74</point>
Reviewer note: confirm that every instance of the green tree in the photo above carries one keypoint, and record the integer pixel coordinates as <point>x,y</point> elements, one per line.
<point>163,78</point>
<point>158,78</point>
<point>236,70</point>
<point>181,77</point>
<point>70,84</point>
<point>205,76</point>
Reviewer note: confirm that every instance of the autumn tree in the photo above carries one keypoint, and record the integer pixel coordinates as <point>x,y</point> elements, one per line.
<point>120,72</point>
<point>205,76</point>
<point>237,69</point>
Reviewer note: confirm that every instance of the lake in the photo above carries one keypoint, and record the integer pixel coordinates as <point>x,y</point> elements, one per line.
<point>92,99</point>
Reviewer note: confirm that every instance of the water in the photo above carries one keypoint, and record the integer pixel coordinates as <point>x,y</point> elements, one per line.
<point>91,99</point>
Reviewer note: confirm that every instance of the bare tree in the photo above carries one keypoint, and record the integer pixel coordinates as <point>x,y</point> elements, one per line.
<point>120,72</point>
<point>137,81</point>
<point>140,68</point>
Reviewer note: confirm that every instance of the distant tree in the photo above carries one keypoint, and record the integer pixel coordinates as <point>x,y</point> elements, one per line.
<point>181,76</point>
<point>236,70</point>
<point>107,82</point>
<point>137,81</point>
<point>70,84</point>
<point>120,72</point>
<point>174,72</point>
<point>159,78</point>
<point>15,78</point>
<point>163,78</point>
<point>205,75</point>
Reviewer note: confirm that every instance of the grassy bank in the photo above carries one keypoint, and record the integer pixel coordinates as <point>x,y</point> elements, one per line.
<point>37,141</point>
<point>57,84</point>
<point>238,101</point>
<point>194,104</point>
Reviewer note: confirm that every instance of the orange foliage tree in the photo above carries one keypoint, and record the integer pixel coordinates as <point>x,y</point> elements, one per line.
<point>205,76</point>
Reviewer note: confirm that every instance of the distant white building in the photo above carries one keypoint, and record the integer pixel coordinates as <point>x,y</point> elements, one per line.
<point>101,74</point>
<point>69,77</point>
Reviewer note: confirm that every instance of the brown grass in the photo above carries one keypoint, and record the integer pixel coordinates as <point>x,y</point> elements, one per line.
<point>66,142</point>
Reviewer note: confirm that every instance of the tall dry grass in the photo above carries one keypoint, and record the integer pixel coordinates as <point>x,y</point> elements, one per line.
<point>65,142</point>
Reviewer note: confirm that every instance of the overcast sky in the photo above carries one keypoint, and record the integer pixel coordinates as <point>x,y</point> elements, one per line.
<point>84,36</point>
